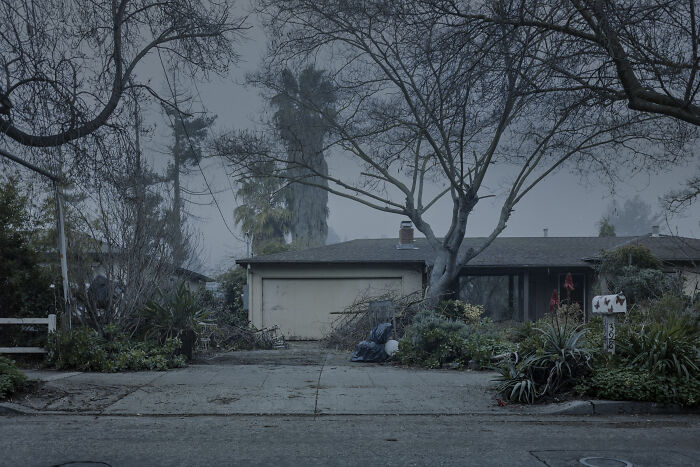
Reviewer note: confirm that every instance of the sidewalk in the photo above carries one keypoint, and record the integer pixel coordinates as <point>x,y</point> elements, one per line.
<point>266,382</point>
<point>303,380</point>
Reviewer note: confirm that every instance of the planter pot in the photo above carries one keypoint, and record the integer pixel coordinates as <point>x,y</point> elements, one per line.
<point>187,337</point>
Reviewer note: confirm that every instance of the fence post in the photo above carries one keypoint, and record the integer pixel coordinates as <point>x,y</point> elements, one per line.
<point>52,323</point>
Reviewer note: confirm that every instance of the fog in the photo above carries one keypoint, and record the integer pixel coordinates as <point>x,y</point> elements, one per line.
<point>566,203</point>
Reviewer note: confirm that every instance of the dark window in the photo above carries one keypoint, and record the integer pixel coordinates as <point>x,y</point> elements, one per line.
<point>497,294</point>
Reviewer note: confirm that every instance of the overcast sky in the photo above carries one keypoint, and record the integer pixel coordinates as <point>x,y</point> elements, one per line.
<point>563,203</point>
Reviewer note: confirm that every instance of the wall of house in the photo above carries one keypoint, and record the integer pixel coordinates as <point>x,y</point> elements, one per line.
<point>691,282</point>
<point>304,300</point>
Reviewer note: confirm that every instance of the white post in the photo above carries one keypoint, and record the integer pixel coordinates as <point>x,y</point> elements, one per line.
<point>609,330</point>
<point>52,323</point>
<point>62,253</point>
<point>609,306</point>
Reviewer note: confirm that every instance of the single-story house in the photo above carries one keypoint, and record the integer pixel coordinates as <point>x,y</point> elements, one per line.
<point>302,291</point>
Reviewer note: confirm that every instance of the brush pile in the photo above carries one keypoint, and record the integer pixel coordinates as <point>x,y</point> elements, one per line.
<point>355,322</point>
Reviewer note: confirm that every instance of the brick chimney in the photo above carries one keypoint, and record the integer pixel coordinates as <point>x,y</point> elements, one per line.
<point>545,231</point>
<point>405,236</point>
<point>654,230</point>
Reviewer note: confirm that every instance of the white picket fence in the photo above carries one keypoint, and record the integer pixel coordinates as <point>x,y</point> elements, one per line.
<point>50,322</point>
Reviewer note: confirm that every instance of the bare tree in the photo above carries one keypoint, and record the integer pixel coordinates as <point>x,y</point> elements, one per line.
<point>65,65</point>
<point>643,53</point>
<point>120,241</point>
<point>646,54</point>
<point>423,102</point>
<point>678,200</point>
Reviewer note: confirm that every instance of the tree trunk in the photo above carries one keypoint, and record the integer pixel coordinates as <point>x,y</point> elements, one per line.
<point>309,204</point>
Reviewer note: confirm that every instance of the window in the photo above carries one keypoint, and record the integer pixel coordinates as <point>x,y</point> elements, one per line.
<point>496,293</point>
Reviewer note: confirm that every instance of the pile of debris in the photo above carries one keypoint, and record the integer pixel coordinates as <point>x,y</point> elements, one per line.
<point>356,321</point>
<point>230,337</point>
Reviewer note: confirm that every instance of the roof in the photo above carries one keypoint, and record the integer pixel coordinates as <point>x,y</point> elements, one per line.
<point>193,275</point>
<point>503,252</point>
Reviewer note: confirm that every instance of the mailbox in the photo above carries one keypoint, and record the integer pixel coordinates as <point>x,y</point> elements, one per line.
<point>609,306</point>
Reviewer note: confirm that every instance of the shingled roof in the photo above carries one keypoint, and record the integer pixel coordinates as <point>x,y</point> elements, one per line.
<point>503,252</point>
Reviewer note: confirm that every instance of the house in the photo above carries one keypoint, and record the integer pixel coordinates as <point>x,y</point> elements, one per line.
<point>302,291</point>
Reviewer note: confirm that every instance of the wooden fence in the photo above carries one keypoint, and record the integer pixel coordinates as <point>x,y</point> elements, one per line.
<point>50,322</point>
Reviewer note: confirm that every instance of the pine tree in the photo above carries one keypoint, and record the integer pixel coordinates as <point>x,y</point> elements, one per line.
<point>188,133</point>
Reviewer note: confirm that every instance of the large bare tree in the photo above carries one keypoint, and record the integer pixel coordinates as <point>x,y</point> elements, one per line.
<point>66,65</point>
<point>427,106</point>
<point>643,53</point>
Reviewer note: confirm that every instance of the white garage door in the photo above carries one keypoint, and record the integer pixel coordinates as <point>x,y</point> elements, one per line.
<point>302,307</point>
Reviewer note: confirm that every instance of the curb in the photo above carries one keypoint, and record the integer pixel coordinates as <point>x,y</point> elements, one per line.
<point>606,407</point>
<point>10,408</point>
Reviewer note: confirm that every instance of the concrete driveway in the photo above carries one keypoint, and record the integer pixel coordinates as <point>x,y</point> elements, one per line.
<point>302,380</point>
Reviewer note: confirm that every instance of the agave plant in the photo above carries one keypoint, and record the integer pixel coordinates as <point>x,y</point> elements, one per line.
<point>558,367</point>
<point>563,360</point>
<point>515,382</point>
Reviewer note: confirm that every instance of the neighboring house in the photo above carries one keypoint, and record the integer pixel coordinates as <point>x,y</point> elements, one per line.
<point>300,291</point>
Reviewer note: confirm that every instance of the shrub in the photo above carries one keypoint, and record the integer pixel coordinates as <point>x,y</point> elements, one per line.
<point>433,341</point>
<point>11,379</point>
<point>618,382</point>
<point>613,262</point>
<point>85,350</point>
<point>457,310</point>
<point>667,348</point>
<point>170,317</point>
<point>556,369</point>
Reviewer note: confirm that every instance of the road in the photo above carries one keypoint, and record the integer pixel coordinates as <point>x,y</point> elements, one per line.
<point>479,440</point>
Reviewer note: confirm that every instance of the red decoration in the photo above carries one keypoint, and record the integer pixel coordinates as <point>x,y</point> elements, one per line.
<point>569,283</point>
<point>554,302</point>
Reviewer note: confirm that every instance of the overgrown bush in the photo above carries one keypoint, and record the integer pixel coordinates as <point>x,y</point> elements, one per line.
<point>230,309</point>
<point>457,310</point>
<point>11,379</point>
<point>434,340</point>
<point>86,350</point>
<point>666,348</point>
<point>172,316</point>
<point>619,382</point>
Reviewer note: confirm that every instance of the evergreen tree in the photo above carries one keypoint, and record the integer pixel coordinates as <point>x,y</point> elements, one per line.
<point>303,106</point>
<point>188,134</point>
<point>606,229</point>
<point>263,212</point>
<point>635,217</point>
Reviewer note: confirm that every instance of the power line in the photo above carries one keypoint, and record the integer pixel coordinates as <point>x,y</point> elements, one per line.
<point>189,140</point>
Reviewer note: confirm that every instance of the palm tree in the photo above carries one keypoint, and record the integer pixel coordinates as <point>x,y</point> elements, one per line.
<point>304,105</point>
<point>262,211</point>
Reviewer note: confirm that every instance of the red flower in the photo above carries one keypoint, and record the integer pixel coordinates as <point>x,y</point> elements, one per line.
<point>569,283</point>
<point>554,302</point>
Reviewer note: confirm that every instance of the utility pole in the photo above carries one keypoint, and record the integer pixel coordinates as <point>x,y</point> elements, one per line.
<point>61,227</point>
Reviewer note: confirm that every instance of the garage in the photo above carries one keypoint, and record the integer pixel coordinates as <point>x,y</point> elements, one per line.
<point>303,307</point>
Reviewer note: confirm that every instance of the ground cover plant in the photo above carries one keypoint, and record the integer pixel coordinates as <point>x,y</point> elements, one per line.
<point>84,349</point>
<point>11,379</point>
